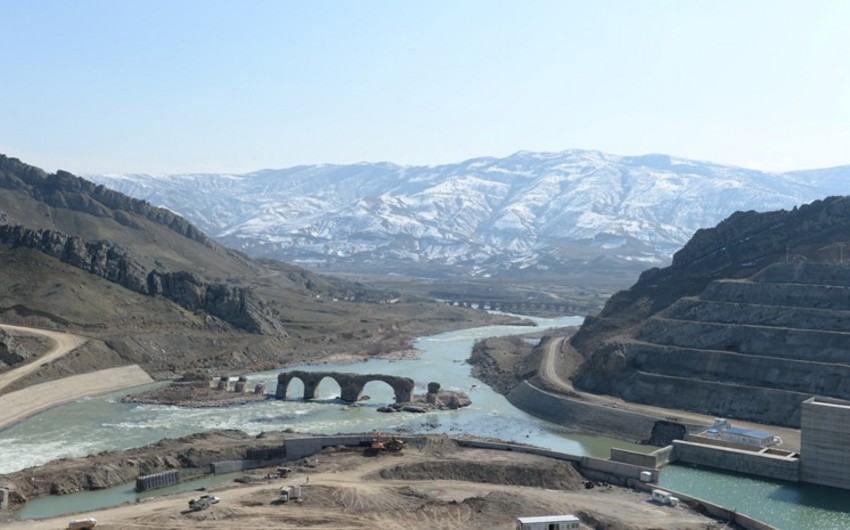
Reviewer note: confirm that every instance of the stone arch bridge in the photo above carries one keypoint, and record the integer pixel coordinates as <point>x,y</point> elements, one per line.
<point>351,385</point>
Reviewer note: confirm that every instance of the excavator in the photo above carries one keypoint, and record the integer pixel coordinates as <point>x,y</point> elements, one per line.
<point>379,445</point>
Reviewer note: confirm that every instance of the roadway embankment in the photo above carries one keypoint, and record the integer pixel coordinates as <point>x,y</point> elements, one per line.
<point>19,405</point>
<point>584,416</point>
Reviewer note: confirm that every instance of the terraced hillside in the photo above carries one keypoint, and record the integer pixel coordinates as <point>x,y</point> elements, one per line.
<point>721,338</point>
<point>752,349</point>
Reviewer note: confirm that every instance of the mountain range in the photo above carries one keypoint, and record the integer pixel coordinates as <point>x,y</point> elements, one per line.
<point>526,212</point>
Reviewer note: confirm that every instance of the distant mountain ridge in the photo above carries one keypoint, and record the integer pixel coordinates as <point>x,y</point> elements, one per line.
<point>543,211</point>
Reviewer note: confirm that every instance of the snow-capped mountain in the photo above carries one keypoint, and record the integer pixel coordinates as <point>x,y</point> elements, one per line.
<point>537,210</point>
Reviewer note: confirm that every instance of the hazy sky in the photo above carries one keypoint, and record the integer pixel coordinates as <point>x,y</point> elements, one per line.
<point>172,86</point>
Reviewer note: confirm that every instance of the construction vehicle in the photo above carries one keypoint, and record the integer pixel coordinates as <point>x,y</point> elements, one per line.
<point>379,445</point>
<point>394,444</point>
<point>664,497</point>
<point>204,502</point>
<point>82,524</point>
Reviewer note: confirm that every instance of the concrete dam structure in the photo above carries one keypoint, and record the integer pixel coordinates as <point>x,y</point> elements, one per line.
<point>351,385</point>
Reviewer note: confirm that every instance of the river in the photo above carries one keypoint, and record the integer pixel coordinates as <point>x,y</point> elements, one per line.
<point>102,423</point>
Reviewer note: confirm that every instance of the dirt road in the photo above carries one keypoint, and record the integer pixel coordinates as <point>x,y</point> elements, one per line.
<point>64,343</point>
<point>15,406</point>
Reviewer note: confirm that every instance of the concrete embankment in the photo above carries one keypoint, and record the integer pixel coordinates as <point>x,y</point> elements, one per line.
<point>761,463</point>
<point>583,415</point>
<point>16,406</point>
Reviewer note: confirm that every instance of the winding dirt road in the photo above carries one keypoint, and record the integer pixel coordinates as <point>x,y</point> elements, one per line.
<point>64,343</point>
<point>18,405</point>
<point>556,382</point>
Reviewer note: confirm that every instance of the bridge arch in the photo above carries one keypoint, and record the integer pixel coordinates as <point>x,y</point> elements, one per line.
<point>351,385</point>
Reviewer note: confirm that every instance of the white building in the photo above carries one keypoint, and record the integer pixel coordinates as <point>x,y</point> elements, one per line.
<point>548,522</point>
<point>722,430</point>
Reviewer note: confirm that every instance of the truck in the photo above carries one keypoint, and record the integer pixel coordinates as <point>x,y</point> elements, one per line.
<point>664,497</point>
<point>82,524</point>
<point>202,503</point>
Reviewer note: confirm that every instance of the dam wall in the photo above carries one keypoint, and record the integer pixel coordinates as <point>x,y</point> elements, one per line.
<point>758,463</point>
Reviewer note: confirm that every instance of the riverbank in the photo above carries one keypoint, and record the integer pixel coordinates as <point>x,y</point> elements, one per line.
<point>21,404</point>
<point>432,484</point>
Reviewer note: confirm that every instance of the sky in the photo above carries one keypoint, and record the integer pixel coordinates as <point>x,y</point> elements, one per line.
<point>173,86</point>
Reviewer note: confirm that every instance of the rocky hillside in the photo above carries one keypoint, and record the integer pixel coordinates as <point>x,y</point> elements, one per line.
<point>150,288</point>
<point>752,317</point>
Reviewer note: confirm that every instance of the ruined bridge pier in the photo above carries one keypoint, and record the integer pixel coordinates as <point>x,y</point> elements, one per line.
<point>351,385</point>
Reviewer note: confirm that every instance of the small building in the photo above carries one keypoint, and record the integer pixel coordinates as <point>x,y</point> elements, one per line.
<point>548,522</point>
<point>750,437</point>
<point>722,430</point>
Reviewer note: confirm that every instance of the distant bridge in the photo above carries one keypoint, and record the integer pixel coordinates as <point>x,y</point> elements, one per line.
<point>559,308</point>
<point>351,385</point>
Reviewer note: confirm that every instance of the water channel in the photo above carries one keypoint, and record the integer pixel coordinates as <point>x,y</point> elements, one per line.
<point>92,425</point>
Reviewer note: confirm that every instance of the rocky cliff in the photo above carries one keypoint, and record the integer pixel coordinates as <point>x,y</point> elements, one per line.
<point>64,190</point>
<point>238,306</point>
<point>752,317</point>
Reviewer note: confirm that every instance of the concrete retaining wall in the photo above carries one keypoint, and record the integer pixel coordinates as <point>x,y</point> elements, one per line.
<point>611,471</point>
<point>759,404</point>
<point>230,466</point>
<point>663,456</point>
<point>742,461</point>
<point>158,480</point>
<point>502,446</point>
<point>634,458</point>
<point>266,453</point>
<point>584,416</point>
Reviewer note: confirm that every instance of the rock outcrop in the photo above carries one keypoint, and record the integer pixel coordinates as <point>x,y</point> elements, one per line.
<point>64,190</point>
<point>752,318</point>
<point>238,306</point>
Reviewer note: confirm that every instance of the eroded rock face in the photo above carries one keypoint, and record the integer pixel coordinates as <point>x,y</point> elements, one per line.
<point>64,190</point>
<point>239,306</point>
<point>749,320</point>
<point>8,355</point>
